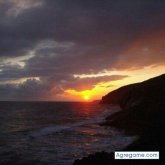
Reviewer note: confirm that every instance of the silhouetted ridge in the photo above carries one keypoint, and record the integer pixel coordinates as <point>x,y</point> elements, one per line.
<point>153,88</point>
<point>142,114</point>
<point>140,104</point>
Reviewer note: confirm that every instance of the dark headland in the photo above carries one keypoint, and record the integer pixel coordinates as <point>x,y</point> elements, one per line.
<point>142,114</point>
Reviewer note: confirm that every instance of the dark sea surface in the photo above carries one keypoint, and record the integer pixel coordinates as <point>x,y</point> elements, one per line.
<point>55,133</point>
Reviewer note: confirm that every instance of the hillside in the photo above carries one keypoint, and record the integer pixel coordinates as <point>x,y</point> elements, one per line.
<point>140,103</point>
<point>142,114</point>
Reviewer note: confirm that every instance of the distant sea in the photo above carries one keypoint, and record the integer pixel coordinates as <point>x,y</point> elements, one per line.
<point>55,133</point>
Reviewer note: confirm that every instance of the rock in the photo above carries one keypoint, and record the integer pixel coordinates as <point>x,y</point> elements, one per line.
<point>140,104</point>
<point>142,114</point>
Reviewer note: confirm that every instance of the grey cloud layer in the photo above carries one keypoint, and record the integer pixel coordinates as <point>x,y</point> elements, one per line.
<point>111,23</point>
<point>70,37</point>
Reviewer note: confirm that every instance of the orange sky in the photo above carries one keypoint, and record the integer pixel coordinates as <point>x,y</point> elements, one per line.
<point>78,50</point>
<point>135,63</point>
<point>102,89</point>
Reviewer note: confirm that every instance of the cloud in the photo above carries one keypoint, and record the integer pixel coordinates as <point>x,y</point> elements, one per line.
<point>31,89</point>
<point>108,23</point>
<point>62,38</point>
<point>80,84</point>
<point>28,90</point>
<point>18,6</point>
<point>49,89</point>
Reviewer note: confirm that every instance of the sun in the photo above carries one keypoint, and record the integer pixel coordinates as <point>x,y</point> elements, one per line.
<point>86,97</point>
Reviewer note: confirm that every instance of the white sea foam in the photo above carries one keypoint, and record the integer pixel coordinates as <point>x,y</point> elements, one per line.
<point>58,142</point>
<point>59,128</point>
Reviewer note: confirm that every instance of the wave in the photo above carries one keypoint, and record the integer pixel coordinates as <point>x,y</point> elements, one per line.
<point>56,129</point>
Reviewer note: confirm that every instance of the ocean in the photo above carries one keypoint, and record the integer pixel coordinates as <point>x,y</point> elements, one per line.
<point>55,133</point>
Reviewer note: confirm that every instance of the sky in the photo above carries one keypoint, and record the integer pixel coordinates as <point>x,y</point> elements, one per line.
<point>68,50</point>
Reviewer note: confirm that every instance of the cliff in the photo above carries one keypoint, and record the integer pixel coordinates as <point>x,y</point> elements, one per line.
<point>133,94</point>
<point>142,114</point>
<point>140,103</point>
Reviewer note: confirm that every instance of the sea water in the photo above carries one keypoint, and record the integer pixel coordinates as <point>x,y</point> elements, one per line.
<point>55,133</point>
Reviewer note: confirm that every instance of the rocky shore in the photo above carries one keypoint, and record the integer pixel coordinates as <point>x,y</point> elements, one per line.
<point>143,114</point>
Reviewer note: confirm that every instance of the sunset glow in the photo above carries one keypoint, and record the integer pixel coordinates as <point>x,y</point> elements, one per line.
<point>86,98</point>
<point>95,48</point>
<point>102,89</point>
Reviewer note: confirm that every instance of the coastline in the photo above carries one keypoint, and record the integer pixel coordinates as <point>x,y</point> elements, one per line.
<point>142,115</point>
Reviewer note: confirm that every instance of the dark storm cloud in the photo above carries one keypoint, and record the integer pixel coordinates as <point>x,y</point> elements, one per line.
<point>31,89</point>
<point>112,23</point>
<point>47,89</point>
<point>70,37</point>
<point>28,90</point>
<point>61,62</point>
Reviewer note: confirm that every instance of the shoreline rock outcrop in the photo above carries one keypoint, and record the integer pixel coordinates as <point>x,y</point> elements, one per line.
<point>142,114</point>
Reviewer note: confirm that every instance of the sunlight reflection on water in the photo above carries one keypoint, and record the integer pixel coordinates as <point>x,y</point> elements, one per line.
<point>56,133</point>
